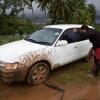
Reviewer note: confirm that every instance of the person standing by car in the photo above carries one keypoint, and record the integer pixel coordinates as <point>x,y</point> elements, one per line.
<point>94,37</point>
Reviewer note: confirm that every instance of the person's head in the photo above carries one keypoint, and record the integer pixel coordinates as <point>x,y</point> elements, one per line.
<point>84,31</point>
<point>75,30</point>
<point>84,28</point>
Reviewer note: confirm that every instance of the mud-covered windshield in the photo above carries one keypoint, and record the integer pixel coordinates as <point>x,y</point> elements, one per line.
<point>46,36</point>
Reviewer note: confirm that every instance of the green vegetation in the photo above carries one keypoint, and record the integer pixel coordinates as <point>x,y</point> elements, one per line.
<point>8,38</point>
<point>69,11</point>
<point>11,25</point>
<point>73,73</point>
<point>16,6</point>
<point>97,27</point>
<point>59,11</point>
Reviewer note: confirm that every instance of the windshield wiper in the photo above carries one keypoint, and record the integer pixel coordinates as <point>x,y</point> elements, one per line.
<point>30,40</point>
<point>42,42</point>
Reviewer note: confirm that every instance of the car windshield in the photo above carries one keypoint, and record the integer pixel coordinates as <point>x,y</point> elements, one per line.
<point>46,36</point>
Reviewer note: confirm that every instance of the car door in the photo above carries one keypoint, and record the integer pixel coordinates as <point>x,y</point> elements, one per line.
<point>66,53</point>
<point>83,47</point>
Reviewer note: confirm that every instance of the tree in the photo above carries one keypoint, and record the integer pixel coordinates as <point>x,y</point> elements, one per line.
<point>54,7</point>
<point>16,6</point>
<point>43,4</point>
<point>77,7</point>
<point>68,11</point>
<point>92,11</point>
<point>58,11</point>
<point>30,6</point>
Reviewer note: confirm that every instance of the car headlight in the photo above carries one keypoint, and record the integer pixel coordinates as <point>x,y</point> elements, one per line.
<point>11,65</point>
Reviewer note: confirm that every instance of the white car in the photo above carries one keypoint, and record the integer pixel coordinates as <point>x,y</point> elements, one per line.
<point>33,58</point>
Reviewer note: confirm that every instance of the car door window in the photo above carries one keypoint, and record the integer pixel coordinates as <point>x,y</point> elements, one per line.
<point>71,35</point>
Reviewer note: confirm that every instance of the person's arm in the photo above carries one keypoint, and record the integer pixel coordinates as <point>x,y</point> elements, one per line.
<point>90,33</point>
<point>86,35</point>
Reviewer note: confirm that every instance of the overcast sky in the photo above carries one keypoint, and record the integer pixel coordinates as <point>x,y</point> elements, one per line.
<point>96,4</point>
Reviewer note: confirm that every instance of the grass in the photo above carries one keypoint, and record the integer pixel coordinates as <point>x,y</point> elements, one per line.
<point>8,38</point>
<point>97,27</point>
<point>73,73</point>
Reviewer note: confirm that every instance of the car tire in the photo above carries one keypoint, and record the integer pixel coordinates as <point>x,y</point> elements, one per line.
<point>38,73</point>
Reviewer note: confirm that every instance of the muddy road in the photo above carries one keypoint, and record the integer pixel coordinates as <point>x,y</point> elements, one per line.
<point>88,89</point>
<point>21,91</point>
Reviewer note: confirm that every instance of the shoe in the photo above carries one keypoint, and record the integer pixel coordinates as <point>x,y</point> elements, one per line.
<point>90,75</point>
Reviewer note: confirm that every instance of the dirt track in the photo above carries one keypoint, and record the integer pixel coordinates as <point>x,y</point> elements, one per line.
<point>21,91</point>
<point>88,90</point>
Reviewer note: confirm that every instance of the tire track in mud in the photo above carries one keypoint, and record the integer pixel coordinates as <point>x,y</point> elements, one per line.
<point>56,88</point>
<point>89,91</point>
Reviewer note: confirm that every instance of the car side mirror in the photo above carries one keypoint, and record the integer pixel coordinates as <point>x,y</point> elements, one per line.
<point>61,43</point>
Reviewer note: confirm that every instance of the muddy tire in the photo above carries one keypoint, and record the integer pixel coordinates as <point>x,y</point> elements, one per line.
<point>38,73</point>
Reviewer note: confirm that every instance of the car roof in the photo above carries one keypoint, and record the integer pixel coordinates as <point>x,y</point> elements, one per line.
<point>65,26</point>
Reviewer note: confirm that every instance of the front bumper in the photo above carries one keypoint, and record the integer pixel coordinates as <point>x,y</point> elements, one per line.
<point>11,76</point>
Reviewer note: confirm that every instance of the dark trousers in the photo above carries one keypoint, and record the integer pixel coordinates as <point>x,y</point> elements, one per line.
<point>96,66</point>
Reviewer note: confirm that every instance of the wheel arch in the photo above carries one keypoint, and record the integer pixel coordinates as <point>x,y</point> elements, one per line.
<point>45,61</point>
<point>28,72</point>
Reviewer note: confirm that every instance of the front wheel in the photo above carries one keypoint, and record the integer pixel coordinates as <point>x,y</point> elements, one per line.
<point>38,73</point>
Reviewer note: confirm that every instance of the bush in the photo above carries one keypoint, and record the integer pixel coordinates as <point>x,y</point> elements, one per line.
<point>12,24</point>
<point>97,26</point>
<point>8,38</point>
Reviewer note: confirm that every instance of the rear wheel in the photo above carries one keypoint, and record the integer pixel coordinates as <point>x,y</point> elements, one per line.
<point>38,73</point>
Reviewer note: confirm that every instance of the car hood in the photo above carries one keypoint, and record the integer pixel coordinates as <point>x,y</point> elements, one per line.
<point>11,51</point>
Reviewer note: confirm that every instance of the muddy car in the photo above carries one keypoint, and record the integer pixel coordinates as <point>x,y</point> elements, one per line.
<point>33,58</point>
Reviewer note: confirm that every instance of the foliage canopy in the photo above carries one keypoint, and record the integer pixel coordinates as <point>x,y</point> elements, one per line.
<point>69,11</point>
